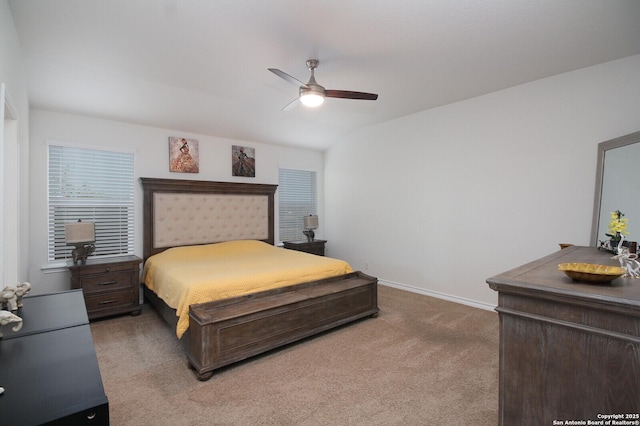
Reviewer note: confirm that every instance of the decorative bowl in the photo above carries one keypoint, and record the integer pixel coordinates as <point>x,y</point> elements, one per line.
<point>590,272</point>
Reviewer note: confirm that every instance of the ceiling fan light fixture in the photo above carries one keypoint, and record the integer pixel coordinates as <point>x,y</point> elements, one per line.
<point>312,95</point>
<point>311,99</point>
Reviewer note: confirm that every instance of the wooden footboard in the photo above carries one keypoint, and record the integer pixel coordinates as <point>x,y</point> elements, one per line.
<point>230,330</point>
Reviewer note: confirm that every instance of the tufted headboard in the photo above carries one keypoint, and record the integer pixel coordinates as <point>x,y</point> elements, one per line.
<point>189,212</point>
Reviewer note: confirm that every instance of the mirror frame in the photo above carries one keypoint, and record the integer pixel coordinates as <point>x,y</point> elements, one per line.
<point>603,147</point>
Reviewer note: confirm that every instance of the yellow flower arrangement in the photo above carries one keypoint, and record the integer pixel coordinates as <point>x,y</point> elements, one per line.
<point>617,225</point>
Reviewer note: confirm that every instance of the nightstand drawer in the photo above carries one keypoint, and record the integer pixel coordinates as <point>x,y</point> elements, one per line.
<point>106,282</point>
<point>318,250</point>
<point>107,301</point>
<point>107,268</point>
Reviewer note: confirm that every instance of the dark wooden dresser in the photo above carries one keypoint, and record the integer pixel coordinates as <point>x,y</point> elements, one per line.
<point>110,285</point>
<point>568,350</point>
<point>313,247</point>
<point>49,368</point>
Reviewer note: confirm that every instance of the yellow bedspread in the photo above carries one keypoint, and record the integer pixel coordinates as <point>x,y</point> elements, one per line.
<point>182,276</point>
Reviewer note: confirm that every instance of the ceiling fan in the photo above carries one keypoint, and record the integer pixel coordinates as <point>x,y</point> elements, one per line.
<point>311,94</point>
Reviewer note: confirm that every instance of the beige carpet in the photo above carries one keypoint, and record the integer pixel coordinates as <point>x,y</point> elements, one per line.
<point>423,361</point>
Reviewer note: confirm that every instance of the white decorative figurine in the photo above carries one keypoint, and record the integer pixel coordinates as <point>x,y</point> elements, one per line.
<point>11,296</point>
<point>8,298</point>
<point>22,289</point>
<point>628,261</point>
<point>7,317</point>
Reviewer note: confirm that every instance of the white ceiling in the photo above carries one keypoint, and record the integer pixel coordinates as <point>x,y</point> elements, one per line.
<point>201,65</point>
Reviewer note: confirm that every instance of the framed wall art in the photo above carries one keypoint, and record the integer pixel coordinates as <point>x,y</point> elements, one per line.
<point>183,155</point>
<point>243,161</point>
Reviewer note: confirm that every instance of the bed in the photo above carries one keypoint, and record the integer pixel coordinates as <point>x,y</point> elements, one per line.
<point>263,305</point>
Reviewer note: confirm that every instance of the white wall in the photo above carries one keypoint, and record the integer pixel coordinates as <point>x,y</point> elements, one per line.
<point>151,146</point>
<point>14,143</point>
<point>439,201</point>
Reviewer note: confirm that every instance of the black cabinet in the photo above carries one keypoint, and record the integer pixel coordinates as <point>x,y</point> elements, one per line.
<point>49,368</point>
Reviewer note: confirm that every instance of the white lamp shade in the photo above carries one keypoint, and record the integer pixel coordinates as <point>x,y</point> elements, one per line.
<point>79,232</point>
<point>311,222</point>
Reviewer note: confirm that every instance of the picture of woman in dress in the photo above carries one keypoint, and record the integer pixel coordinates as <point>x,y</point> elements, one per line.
<point>243,162</point>
<point>183,155</point>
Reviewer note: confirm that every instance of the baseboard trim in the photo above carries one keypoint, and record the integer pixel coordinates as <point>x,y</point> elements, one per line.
<point>438,295</point>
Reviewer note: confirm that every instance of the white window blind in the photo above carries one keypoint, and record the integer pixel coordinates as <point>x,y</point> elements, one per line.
<point>94,186</point>
<point>297,198</point>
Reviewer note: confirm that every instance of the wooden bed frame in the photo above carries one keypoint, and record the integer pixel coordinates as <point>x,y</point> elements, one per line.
<point>188,212</point>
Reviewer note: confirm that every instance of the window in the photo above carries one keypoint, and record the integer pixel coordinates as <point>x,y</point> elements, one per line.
<point>297,198</point>
<point>95,186</point>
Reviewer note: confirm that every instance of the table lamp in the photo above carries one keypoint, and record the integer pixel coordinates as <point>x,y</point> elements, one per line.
<point>81,235</point>
<point>310,223</point>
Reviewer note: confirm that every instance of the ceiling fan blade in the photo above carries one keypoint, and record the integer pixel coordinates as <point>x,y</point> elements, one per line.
<point>287,77</point>
<point>290,104</point>
<point>347,94</point>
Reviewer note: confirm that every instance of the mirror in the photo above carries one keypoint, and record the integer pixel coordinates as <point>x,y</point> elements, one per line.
<point>617,186</point>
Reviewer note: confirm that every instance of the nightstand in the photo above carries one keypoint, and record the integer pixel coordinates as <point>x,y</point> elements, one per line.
<point>110,285</point>
<point>313,247</point>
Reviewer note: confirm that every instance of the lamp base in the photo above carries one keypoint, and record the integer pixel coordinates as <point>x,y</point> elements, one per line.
<point>81,252</point>
<point>310,234</point>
